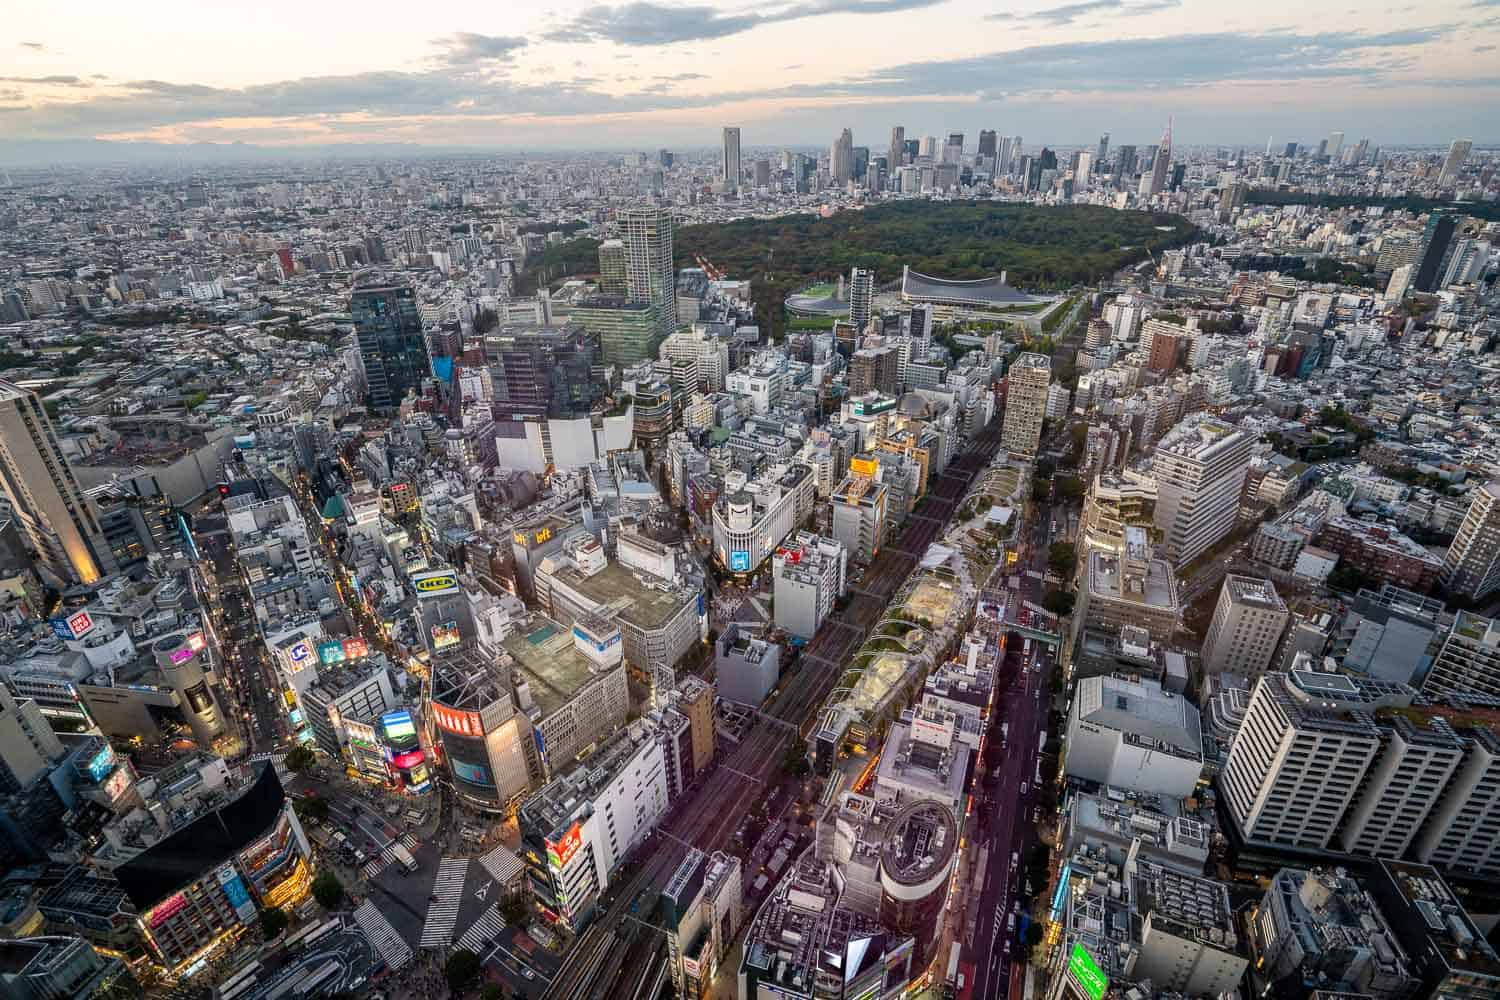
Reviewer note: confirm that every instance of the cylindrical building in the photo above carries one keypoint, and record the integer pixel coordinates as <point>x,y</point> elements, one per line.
<point>916,860</point>
<point>180,659</point>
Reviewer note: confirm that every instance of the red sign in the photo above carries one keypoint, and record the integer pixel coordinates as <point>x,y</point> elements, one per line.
<point>80,623</point>
<point>355,648</point>
<point>409,759</point>
<point>457,721</point>
<point>196,641</point>
<point>166,910</point>
<point>561,853</point>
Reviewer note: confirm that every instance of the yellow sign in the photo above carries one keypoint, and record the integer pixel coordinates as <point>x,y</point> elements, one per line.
<point>428,584</point>
<point>519,537</point>
<point>543,535</point>
<point>863,466</point>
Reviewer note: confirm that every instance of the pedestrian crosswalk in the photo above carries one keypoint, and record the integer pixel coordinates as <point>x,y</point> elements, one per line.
<point>409,842</point>
<point>483,931</point>
<point>442,912</point>
<point>502,864</point>
<point>379,864</point>
<point>382,935</point>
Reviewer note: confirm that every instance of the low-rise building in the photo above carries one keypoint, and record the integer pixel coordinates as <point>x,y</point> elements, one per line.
<point>809,574</point>
<point>1133,734</point>
<point>746,667</point>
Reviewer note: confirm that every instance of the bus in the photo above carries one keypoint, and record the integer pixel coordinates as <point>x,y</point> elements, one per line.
<point>314,984</point>
<point>950,981</point>
<point>311,933</point>
<point>240,982</point>
<point>404,856</point>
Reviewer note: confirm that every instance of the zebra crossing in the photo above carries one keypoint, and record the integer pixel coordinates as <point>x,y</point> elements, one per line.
<point>485,928</point>
<point>382,935</point>
<point>379,864</point>
<point>442,912</point>
<point>501,864</point>
<point>410,842</point>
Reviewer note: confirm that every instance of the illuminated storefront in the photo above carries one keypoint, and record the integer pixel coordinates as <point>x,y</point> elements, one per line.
<point>404,756</point>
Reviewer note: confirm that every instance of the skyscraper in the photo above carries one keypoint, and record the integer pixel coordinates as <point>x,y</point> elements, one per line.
<point>59,523</point>
<point>648,261</point>
<point>986,142</point>
<point>1100,160</point>
<point>1471,566</point>
<point>612,268</point>
<point>1436,236</point>
<point>861,290</point>
<point>1335,145</point>
<point>729,170</point>
<point>898,150</point>
<point>1161,162</point>
<point>392,346</point>
<point>841,158</point>
<point>1199,468</point>
<point>1026,385</point>
<point>953,149</point>
<point>1458,152</point>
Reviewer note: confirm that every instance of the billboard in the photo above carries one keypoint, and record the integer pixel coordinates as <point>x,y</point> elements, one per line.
<point>472,773</point>
<point>166,910</point>
<point>98,767</point>
<point>598,646</point>
<point>863,466</point>
<point>560,853</point>
<point>355,648</point>
<point>181,655</point>
<point>434,583</point>
<point>457,721</point>
<point>196,642</point>
<point>299,654</point>
<point>71,626</point>
<point>444,634</point>
<point>398,725</point>
<point>1084,971</point>
<point>739,561</point>
<point>870,407</point>
<point>407,760</point>
<point>118,784</point>
<point>236,893</point>
<point>330,653</point>
<point>538,537</point>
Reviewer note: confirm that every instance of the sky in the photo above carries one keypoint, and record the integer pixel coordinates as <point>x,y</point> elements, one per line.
<point>528,76</point>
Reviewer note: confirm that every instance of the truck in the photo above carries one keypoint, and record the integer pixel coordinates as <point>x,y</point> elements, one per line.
<point>404,856</point>
<point>1004,733</point>
<point>951,979</point>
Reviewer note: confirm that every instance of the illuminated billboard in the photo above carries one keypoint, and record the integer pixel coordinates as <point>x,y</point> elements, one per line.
<point>1084,971</point>
<point>560,853</point>
<point>739,561</point>
<point>355,648</point>
<point>299,655</point>
<point>457,721</point>
<point>863,466</point>
<point>182,655</point>
<point>330,653</point>
<point>196,642</point>
<point>472,773</point>
<point>398,726</point>
<point>98,767</point>
<point>71,626</point>
<point>166,910</point>
<point>444,634</point>
<point>434,583</point>
<point>407,760</point>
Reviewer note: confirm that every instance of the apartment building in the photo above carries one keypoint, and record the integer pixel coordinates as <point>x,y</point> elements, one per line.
<point>1199,469</point>
<point>1247,625</point>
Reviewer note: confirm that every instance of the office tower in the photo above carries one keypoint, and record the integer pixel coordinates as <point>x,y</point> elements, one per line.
<point>929,147</point>
<point>897,155</point>
<point>1471,566</point>
<point>1026,384</point>
<point>1161,162</point>
<point>43,967</point>
<point>1102,157</point>
<point>392,345</point>
<point>987,143</point>
<point>1361,151</point>
<point>612,268</point>
<point>861,291</point>
<point>1436,236</point>
<point>841,158</point>
<point>1125,167</point>
<point>648,264</point>
<point>28,746</point>
<point>1335,145</point>
<point>1402,787</point>
<point>1199,468</point>
<point>1290,151</point>
<point>1469,660</point>
<point>1458,152</point>
<point>762,173</point>
<point>953,149</point>
<point>1004,155</point>
<point>859,510</point>
<point>874,369</point>
<point>1247,624</point>
<point>59,523</point>
<point>1297,760</point>
<point>860,162</point>
<point>664,158</point>
<point>729,168</point>
<point>556,372</point>
<point>1179,171</point>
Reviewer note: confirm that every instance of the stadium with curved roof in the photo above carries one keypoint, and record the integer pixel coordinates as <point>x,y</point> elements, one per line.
<point>821,299</point>
<point>976,293</point>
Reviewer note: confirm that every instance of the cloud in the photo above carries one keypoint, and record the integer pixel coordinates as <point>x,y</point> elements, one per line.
<point>464,48</point>
<point>648,23</point>
<point>33,46</point>
<point>439,98</point>
<point>61,80</point>
<point>679,77</point>
<point>1068,13</point>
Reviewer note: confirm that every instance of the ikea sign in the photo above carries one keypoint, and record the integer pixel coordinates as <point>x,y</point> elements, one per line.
<point>435,583</point>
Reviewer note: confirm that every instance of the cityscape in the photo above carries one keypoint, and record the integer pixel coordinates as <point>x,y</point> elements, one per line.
<point>928,563</point>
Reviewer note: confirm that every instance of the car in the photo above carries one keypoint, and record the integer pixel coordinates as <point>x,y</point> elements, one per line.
<point>1025,787</point>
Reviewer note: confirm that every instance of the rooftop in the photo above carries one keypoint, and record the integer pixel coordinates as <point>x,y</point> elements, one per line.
<point>619,590</point>
<point>547,658</point>
<point>1254,592</point>
<point>1141,708</point>
<point>989,291</point>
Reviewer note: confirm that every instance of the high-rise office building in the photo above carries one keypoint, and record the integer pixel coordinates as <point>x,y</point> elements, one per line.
<point>59,523</point>
<point>987,143</point>
<point>1103,155</point>
<point>612,268</point>
<point>1437,234</point>
<point>649,276</point>
<point>1161,163</point>
<point>841,158</point>
<point>1471,566</point>
<point>1199,468</point>
<point>1026,384</point>
<point>953,149</point>
<point>861,292</point>
<point>897,155</point>
<point>392,344</point>
<point>729,168</point>
<point>1247,625</point>
<point>1458,152</point>
<point>1335,145</point>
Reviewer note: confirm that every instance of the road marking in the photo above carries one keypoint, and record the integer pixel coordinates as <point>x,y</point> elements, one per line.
<point>442,913</point>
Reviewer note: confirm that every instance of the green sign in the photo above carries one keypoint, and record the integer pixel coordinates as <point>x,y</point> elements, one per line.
<point>1086,972</point>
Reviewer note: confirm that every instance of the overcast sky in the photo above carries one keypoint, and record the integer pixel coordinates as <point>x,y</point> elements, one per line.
<point>566,75</point>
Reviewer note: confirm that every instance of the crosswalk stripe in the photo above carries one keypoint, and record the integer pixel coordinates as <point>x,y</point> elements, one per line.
<point>409,842</point>
<point>382,935</point>
<point>485,927</point>
<point>442,913</point>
